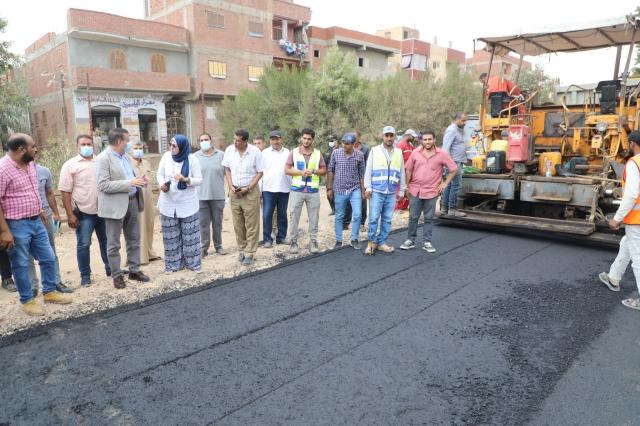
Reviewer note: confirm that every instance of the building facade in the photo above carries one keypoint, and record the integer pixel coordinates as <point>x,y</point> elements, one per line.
<point>508,65</point>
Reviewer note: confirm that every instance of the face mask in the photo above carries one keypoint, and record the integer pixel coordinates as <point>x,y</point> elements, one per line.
<point>86,151</point>
<point>138,153</point>
<point>129,146</point>
<point>332,144</point>
<point>205,145</point>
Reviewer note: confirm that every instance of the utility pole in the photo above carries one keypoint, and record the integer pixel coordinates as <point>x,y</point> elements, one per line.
<point>64,104</point>
<point>89,106</point>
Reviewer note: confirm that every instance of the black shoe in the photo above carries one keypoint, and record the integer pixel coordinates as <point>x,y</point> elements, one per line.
<point>63,288</point>
<point>356,245</point>
<point>338,245</point>
<point>9,285</point>
<point>35,293</point>
<point>108,272</point>
<point>139,276</point>
<point>205,253</point>
<point>118,282</point>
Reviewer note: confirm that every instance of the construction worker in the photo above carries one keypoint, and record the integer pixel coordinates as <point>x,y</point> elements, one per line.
<point>305,164</point>
<point>629,214</point>
<point>406,145</point>
<point>454,145</point>
<point>383,175</point>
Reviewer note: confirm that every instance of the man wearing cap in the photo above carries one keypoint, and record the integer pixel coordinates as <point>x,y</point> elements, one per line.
<point>406,145</point>
<point>629,214</point>
<point>275,189</point>
<point>453,144</point>
<point>383,176</point>
<point>305,165</point>
<point>345,183</point>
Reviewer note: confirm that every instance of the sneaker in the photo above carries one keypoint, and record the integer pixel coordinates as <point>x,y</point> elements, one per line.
<point>407,245</point>
<point>426,246</point>
<point>240,256</point>
<point>632,303</point>
<point>248,261</point>
<point>267,244</point>
<point>386,248</point>
<point>9,285</point>
<point>57,298</point>
<point>33,308</point>
<point>443,213</point>
<point>204,253</point>
<point>293,248</point>
<point>606,280</point>
<point>62,288</point>
<point>337,245</point>
<point>313,247</point>
<point>85,280</point>
<point>457,213</point>
<point>139,276</point>
<point>220,251</point>
<point>371,248</point>
<point>355,244</point>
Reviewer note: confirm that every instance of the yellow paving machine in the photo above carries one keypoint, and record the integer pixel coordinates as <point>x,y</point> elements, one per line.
<point>554,167</point>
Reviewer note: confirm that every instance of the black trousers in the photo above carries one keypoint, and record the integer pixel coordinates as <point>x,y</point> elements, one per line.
<point>5,265</point>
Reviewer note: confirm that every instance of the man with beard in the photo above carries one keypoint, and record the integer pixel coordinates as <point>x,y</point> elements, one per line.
<point>406,145</point>
<point>453,144</point>
<point>425,168</point>
<point>22,224</point>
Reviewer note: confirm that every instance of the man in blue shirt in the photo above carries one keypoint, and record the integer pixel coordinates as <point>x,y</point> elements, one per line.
<point>453,144</point>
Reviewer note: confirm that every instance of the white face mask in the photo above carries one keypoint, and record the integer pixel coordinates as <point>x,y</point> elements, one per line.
<point>205,145</point>
<point>332,144</point>
<point>138,153</point>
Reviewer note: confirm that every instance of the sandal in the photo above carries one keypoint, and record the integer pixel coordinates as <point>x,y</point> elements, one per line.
<point>606,280</point>
<point>632,303</point>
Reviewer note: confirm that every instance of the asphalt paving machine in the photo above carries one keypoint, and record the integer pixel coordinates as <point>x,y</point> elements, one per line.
<point>561,163</point>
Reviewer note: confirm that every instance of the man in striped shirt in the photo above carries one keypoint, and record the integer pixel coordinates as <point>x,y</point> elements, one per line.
<point>22,230</point>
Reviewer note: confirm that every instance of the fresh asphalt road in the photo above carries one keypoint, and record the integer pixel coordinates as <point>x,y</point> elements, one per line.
<point>492,329</point>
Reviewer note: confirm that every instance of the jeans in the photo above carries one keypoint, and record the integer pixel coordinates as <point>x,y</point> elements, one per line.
<point>312,200</point>
<point>87,223</point>
<point>381,210</point>
<point>32,267</point>
<point>450,193</point>
<point>271,201</point>
<point>31,239</point>
<point>363,213</point>
<point>342,201</point>
<point>425,207</point>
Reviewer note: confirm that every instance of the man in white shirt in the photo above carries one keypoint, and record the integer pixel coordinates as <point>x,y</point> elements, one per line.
<point>243,170</point>
<point>275,189</point>
<point>629,213</point>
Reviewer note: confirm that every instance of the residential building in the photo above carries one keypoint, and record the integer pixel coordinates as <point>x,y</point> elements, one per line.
<point>371,52</point>
<point>508,64</point>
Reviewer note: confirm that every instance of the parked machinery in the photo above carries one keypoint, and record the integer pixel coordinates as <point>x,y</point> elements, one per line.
<point>563,162</point>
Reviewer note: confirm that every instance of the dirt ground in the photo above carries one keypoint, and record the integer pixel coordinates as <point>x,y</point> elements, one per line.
<point>102,295</point>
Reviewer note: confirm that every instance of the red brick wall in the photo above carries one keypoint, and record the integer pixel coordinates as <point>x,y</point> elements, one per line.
<point>455,56</point>
<point>105,22</point>
<point>39,43</point>
<point>53,61</point>
<point>131,80</point>
<point>420,47</point>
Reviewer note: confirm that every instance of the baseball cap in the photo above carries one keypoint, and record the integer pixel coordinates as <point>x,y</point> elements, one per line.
<point>388,129</point>
<point>349,138</point>
<point>634,137</point>
<point>275,134</point>
<point>411,132</point>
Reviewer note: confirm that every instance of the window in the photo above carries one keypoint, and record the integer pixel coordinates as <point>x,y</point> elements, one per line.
<point>211,113</point>
<point>44,118</point>
<point>435,65</point>
<point>217,69</point>
<point>276,30</point>
<point>35,119</point>
<point>387,34</point>
<point>256,29</point>
<point>405,35</point>
<point>215,20</point>
<point>361,62</point>
<point>255,73</point>
<point>158,63</point>
<point>316,53</point>
<point>118,60</point>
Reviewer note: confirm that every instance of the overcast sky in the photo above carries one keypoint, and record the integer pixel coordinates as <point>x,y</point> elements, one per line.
<point>459,22</point>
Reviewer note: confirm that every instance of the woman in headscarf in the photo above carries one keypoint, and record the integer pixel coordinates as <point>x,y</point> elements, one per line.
<point>178,175</point>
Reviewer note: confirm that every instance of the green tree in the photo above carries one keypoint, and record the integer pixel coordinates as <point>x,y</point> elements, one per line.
<point>534,79</point>
<point>635,71</point>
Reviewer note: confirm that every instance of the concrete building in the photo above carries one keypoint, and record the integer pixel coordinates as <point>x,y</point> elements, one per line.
<point>372,53</point>
<point>160,76</point>
<point>479,63</point>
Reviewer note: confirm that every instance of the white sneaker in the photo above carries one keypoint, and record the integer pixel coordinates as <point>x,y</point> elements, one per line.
<point>606,280</point>
<point>407,245</point>
<point>426,246</point>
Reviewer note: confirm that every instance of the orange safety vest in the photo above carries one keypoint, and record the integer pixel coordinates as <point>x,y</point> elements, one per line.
<point>633,217</point>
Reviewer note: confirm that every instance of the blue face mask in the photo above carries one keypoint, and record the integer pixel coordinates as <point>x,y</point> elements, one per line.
<point>86,151</point>
<point>129,146</point>
<point>205,145</point>
<point>138,153</point>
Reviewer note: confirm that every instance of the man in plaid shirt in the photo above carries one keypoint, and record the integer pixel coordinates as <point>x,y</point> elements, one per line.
<point>22,230</point>
<point>345,184</point>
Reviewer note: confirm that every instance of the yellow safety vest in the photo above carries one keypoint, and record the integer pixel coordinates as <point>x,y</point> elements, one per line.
<point>299,183</point>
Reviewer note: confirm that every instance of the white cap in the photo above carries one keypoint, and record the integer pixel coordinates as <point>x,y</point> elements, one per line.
<point>388,129</point>
<point>411,132</point>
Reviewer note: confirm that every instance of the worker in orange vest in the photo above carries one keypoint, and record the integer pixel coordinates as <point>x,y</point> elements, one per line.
<point>629,214</point>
